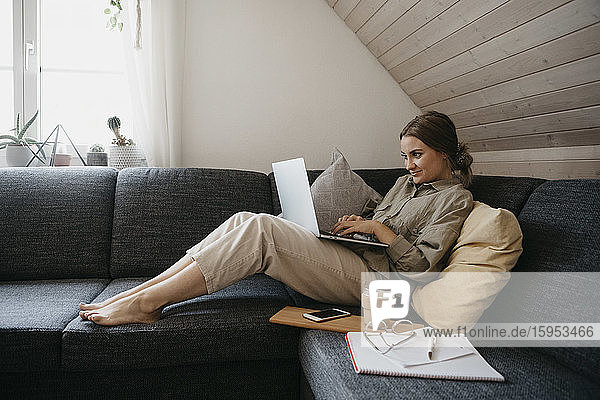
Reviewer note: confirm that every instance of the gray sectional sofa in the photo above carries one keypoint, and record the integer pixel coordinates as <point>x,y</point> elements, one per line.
<point>84,234</point>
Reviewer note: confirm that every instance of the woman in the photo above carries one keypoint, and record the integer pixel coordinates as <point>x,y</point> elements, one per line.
<point>420,218</point>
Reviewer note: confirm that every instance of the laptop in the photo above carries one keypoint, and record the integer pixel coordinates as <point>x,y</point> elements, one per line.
<point>297,204</point>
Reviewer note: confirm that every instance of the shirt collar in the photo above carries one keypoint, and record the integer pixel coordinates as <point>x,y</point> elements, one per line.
<point>439,185</point>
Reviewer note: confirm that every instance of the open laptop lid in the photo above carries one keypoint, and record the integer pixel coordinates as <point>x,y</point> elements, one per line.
<point>294,193</point>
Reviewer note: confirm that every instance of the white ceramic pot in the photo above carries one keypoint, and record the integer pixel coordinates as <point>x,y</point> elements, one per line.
<point>18,156</point>
<point>120,157</point>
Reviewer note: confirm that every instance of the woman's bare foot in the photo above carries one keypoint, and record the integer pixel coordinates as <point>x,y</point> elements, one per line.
<point>174,269</point>
<point>131,309</point>
<point>96,306</point>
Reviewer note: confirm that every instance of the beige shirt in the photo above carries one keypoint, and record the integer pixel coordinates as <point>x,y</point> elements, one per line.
<point>427,219</point>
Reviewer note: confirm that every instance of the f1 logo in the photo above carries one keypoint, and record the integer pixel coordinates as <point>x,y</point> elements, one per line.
<point>389,300</point>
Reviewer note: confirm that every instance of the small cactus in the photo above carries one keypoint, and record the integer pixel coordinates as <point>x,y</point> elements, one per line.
<point>114,123</point>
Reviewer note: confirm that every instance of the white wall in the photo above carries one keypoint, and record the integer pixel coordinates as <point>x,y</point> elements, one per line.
<point>268,80</point>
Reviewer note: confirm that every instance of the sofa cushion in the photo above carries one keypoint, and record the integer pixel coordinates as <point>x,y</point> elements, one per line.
<point>162,212</point>
<point>326,363</point>
<point>487,248</point>
<point>560,227</point>
<point>340,191</point>
<point>33,315</point>
<point>229,325</point>
<point>56,222</point>
<point>560,234</point>
<point>506,192</point>
<point>252,379</point>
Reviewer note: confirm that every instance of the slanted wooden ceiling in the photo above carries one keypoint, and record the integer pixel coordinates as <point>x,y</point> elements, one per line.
<point>520,78</point>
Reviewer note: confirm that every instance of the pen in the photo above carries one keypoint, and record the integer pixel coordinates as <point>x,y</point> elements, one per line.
<point>431,347</point>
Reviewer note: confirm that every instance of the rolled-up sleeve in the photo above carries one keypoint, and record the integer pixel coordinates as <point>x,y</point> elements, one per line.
<point>431,248</point>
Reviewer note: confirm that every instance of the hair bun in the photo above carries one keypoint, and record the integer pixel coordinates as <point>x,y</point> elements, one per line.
<point>462,158</point>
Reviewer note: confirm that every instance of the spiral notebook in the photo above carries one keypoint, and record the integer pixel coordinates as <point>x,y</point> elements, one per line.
<point>454,358</point>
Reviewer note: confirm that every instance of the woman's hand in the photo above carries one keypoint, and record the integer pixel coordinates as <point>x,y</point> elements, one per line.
<point>346,218</point>
<point>351,224</point>
<point>355,224</point>
<point>350,218</point>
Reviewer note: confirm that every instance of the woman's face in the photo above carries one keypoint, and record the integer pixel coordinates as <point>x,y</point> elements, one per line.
<point>424,163</point>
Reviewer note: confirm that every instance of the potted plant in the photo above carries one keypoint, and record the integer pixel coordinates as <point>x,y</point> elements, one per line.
<point>96,156</point>
<point>18,146</point>
<point>123,152</point>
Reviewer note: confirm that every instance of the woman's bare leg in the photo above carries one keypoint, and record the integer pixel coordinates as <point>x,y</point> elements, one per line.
<point>228,225</point>
<point>172,270</point>
<point>146,305</point>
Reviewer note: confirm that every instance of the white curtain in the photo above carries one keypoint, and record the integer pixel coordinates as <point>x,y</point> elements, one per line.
<point>155,74</point>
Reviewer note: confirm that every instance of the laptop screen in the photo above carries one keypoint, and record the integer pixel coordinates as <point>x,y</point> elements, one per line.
<point>294,193</point>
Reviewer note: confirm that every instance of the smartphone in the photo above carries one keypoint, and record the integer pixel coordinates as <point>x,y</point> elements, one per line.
<point>326,315</point>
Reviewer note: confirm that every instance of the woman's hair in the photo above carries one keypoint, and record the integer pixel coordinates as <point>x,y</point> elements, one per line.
<point>437,131</point>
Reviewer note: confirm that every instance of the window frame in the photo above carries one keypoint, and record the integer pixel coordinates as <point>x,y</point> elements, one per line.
<point>26,81</point>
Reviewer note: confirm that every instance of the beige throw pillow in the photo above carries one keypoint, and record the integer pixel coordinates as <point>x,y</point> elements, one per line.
<point>488,246</point>
<point>339,191</point>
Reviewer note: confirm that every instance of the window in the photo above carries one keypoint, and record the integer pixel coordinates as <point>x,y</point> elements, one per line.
<point>7,109</point>
<point>83,73</point>
<point>76,74</point>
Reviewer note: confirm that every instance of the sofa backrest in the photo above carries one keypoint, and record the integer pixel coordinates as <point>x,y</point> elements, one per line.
<point>162,212</point>
<point>56,222</point>
<point>509,193</point>
<point>561,233</point>
<point>561,227</point>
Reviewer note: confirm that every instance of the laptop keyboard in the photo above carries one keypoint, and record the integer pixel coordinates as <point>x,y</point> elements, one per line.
<point>358,236</point>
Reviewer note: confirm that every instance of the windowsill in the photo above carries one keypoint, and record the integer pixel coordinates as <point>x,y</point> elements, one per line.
<point>75,161</point>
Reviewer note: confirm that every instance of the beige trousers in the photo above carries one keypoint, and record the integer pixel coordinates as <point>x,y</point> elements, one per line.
<point>249,243</point>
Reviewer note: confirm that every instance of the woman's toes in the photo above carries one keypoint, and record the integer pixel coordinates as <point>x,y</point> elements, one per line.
<point>90,306</point>
<point>85,314</point>
<point>98,319</point>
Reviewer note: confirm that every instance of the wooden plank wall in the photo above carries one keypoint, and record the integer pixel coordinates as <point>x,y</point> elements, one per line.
<point>520,78</point>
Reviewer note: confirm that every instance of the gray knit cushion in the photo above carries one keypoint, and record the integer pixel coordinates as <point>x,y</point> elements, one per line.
<point>161,212</point>
<point>56,222</point>
<point>229,325</point>
<point>328,368</point>
<point>339,191</point>
<point>33,315</point>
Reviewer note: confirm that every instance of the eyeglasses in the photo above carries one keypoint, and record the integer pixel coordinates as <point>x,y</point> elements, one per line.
<point>403,335</point>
